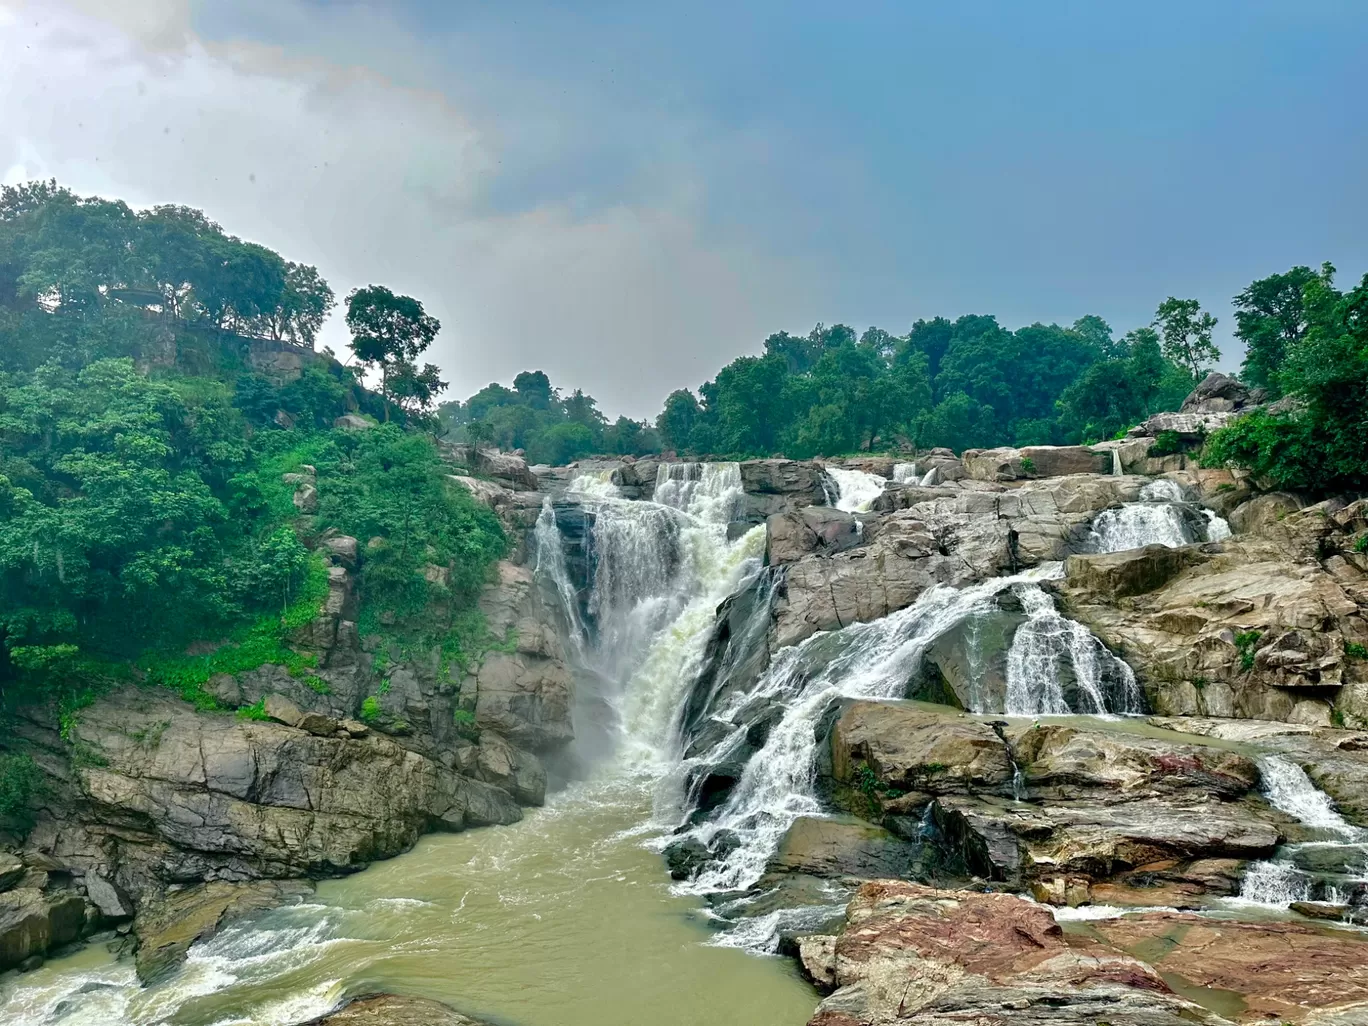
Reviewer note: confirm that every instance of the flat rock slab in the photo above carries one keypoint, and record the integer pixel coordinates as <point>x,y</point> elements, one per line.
<point>1283,970</point>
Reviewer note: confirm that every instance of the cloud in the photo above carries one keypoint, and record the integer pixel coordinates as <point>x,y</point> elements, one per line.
<point>335,164</point>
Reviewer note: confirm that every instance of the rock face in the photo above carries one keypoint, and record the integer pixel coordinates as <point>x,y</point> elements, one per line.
<point>1034,461</point>
<point>1091,813</point>
<point>1265,625</point>
<point>953,536</point>
<point>912,954</point>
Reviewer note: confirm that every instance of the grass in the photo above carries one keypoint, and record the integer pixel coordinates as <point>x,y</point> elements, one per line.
<point>1354,650</point>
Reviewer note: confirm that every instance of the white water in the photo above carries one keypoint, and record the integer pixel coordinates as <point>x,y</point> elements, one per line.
<point>551,567</point>
<point>930,478</point>
<point>865,660</point>
<point>856,490</point>
<point>1157,519</point>
<point>1041,647</point>
<point>1117,470</point>
<point>1279,882</point>
<point>905,473</point>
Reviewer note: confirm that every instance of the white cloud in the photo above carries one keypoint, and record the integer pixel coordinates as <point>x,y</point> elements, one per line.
<point>338,166</point>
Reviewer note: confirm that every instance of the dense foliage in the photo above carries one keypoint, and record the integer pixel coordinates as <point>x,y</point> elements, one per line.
<point>1308,340</point>
<point>142,505</point>
<point>550,428</point>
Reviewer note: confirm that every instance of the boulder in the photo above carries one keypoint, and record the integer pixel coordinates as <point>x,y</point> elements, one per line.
<point>108,897</point>
<point>282,710</point>
<point>393,1010</point>
<point>487,492</point>
<point>353,422</point>
<point>1133,572</point>
<point>1007,464</point>
<point>11,870</point>
<point>838,847</point>
<point>1217,393</point>
<point>32,922</point>
<point>909,748</point>
<point>306,498</point>
<point>1262,512</point>
<point>344,549</point>
<point>783,477</point>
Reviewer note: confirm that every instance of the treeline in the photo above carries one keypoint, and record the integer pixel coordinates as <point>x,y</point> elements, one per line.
<point>142,504</point>
<point>963,384</point>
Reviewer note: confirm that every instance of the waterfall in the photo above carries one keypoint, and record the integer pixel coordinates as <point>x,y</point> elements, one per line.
<point>550,549</point>
<point>1163,516</point>
<point>865,660</point>
<point>1279,882</point>
<point>855,489</point>
<point>930,478</point>
<point>1036,662</point>
<point>905,473</point>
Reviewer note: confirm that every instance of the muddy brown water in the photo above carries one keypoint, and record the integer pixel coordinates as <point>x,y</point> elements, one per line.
<point>565,919</point>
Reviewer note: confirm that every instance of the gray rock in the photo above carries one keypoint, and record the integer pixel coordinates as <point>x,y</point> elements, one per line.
<point>392,1010</point>
<point>108,897</point>
<point>352,422</point>
<point>32,922</point>
<point>11,870</point>
<point>282,710</point>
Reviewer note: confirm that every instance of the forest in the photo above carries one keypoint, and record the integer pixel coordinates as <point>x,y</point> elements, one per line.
<point>142,454</point>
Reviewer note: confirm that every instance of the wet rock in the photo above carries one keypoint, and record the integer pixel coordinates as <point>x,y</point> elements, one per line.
<point>519,773</point>
<point>167,925</point>
<point>837,847</point>
<point>911,749</point>
<point>685,857</point>
<point>32,922</point>
<point>1283,971</point>
<point>392,1010</point>
<point>913,954</point>
<point>813,529</point>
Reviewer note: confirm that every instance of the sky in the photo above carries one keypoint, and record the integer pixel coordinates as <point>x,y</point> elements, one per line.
<point>628,196</point>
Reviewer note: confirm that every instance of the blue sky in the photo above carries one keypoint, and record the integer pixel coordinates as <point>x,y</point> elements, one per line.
<point>628,195</point>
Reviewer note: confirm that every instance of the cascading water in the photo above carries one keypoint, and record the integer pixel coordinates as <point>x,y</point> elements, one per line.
<point>1043,647</point>
<point>1279,882</point>
<point>1163,516</point>
<point>855,490</point>
<point>551,567</point>
<point>866,660</point>
<point>906,473</point>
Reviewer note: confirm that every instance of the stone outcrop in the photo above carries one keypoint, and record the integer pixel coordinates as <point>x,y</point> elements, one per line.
<point>780,486</point>
<point>1266,625</point>
<point>1091,813</point>
<point>1007,464</point>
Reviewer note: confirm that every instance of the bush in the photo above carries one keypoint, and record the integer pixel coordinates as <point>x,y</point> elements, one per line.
<point>1166,443</point>
<point>19,781</point>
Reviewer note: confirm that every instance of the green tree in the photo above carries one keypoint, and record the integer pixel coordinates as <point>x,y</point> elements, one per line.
<point>1185,329</point>
<point>388,331</point>
<point>1271,319</point>
<point>677,420</point>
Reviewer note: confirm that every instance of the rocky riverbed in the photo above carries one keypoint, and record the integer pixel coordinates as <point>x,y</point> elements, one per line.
<point>1058,734</point>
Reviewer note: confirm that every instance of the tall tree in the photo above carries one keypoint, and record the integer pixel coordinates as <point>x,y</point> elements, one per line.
<point>1186,332</point>
<point>387,331</point>
<point>1271,318</point>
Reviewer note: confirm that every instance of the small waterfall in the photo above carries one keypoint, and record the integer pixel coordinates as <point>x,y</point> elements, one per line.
<point>1290,790</point>
<point>1117,471</point>
<point>930,479</point>
<point>596,485</point>
<point>1279,882</point>
<point>1043,645</point>
<point>855,490</point>
<point>1163,516</point>
<point>905,473</point>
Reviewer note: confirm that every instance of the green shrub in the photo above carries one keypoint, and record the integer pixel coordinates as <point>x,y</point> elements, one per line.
<point>1166,443</point>
<point>1244,645</point>
<point>255,711</point>
<point>19,781</point>
<point>370,709</point>
<point>1028,465</point>
<point>1354,650</point>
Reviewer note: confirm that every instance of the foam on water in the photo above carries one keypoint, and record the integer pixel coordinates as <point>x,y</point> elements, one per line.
<point>855,490</point>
